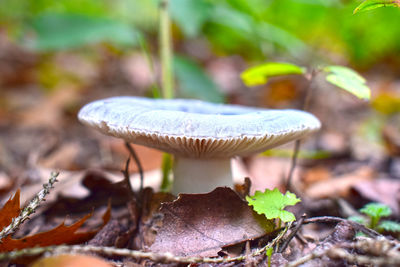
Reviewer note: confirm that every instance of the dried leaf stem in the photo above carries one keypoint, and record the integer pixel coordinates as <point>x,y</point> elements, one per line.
<point>296,149</point>
<point>30,208</point>
<point>138,164</point>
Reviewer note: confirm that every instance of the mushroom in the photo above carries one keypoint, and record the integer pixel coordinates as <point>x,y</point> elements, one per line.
<point>202,136</point>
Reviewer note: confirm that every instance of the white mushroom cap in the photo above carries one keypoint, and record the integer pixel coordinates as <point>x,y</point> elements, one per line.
<point>197,129</point>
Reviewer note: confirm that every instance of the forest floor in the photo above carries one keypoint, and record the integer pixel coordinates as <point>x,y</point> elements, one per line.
<point>352,161</point>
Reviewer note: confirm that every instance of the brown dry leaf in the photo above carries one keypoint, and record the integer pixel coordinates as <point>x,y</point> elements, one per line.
<point>391,138</point>
<point>149,220</point>
<point>63,158</point>
<point>386,191</point>
<point>62,234</point>
<point>279,92</point>
<point>150,158</point>
<point>10,210</point>
<point>339,186</point>
<point>315,175</point>
<point>201,224</point>
<point>71,260</point>
<point>48,110</point>
<point>270,173</point>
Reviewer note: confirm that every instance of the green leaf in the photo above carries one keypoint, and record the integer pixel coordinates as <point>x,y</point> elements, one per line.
<point>389,226</point>
<point>348,80</point>
<point>357,219</point>
<point>194,82</point>
<point>373,4</point>
<point>190,15</point>
<point>271,203</point>
<point>260,74</point>
<point>376,210</point>
<point>66,31</point>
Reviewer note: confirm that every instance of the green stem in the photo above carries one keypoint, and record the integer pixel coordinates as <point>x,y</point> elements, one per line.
<point>167,78</point>
<point>166,54</point>
<point>166,170</point>
<point>374,222</point>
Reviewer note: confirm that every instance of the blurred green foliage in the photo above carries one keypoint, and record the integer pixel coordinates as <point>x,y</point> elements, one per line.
<point>249,27</point>
<point>194,82</point>
<point>302,31</point>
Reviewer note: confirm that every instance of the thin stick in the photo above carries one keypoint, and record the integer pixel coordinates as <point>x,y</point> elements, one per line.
<point>391,257</point>
<point>292,234</point>
<point>293,164</point>
<point>30,208</point>
<point>332,219</point>
<point>296,149</point>
<point>111,251</point>
<point>138,164</point>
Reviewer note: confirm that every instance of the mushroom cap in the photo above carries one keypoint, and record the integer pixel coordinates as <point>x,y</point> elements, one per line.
<point>194,128</point>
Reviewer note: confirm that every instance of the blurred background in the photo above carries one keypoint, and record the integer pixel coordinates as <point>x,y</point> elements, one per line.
<point>55,56</point>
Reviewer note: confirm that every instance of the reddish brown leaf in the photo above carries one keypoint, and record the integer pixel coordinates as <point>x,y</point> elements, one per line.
<point>10,210</point>
<point>386,191</point>
<point>71,260</point>
<point>200,224</point>
<point>62,234</point>
<point>339,186</point>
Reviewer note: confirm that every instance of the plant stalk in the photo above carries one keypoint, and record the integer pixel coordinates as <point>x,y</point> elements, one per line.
<point>166,54</point>
<point>167,75</point>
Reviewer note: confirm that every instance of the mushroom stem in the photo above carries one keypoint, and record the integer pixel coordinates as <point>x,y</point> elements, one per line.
<point>200,175</point>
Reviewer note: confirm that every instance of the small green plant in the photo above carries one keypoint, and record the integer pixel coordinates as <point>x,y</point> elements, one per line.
<point>269,255</point>
<point>271,203</point>
<point>339,76</point>
<point>374,213</point>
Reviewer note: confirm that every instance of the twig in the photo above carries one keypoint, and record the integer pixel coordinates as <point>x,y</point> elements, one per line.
<point>30,208</point>
<point>293,164</point>
<point>296,149</point>
<point>299,223</point>
<point>127,180</point>
<point>156,257</point>
<point>332,219</point>
<point>391,255</point>
<point>307,258</point>
<point>138,164</point>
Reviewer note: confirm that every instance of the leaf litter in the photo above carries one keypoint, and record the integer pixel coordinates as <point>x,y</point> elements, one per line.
<point>22,161</point>
<point>202,224</point>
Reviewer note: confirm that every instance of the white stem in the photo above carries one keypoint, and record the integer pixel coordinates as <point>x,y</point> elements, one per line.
<point>200,175</point>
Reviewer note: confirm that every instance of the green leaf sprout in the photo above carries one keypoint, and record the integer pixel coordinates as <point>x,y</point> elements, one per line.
<point>260,74</point>
<point>348,80</point>
<point>389,226</point>
<point>271,203</point>
<point>376,211</point>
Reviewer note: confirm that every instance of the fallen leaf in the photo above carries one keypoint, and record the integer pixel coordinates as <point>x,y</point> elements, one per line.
<point>341,185</point>
<point>10,210</point>
<point>270,173</point>
<point>201,224</point>
<point>386,191</point>
<point>48,110</point>
<point>150,158</point>
<point>315,175</point>
<point>65,260</point>
<point>63,158</point>
<point>391,138</point>
<point>62,234</point>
